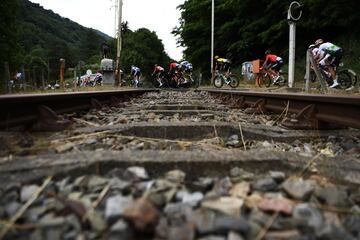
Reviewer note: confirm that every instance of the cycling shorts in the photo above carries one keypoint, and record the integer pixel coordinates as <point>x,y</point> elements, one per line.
<point>160,74</point>
<point>277,65</point>
<point>336,57</point>
<point>137,73</point>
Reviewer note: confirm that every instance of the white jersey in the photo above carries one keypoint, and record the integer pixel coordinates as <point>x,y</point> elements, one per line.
<point>329,48</point>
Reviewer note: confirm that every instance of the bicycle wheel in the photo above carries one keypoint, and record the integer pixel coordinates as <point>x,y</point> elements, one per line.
<point>218,82</point>
<point>282,81</point>
<point>234,82</point>
<point>155,83</point>
<point>344,79</point>
<point>267,80</point>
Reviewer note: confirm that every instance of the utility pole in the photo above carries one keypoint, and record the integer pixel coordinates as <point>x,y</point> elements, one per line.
<point>62,71</point>
<point>118,76</point>
<point>116,17</point>
<point>212,37</point>
<point>294,15</point>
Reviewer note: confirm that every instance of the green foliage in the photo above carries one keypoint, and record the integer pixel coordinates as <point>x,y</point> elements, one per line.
<point>141,48</point>
<point>244,30</point>
<point>9,49</point>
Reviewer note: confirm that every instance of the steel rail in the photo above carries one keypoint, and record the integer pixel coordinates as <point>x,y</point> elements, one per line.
<point>19,110</point>
<point>334,109</point>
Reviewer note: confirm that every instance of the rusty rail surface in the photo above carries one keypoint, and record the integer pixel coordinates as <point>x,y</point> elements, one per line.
<point>27,109</point>
<point>313,110</point>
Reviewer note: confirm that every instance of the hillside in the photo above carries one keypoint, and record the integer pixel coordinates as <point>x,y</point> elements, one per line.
<point>57,36</point>
<point>33,40</point>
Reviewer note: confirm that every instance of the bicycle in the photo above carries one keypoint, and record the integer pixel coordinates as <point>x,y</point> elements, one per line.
<point>265,77</point>
<point>188,79</point>
<point>346,77</point>
<point>220,79</point>
<point>159,80</point>
<point>129,81</point>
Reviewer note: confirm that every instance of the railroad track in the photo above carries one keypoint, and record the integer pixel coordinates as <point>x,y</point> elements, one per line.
<point>313,111</point>
<point>150,164</point>
<point>27,109</point>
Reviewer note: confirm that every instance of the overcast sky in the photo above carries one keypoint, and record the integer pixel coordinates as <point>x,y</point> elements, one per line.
<point>160,16</point>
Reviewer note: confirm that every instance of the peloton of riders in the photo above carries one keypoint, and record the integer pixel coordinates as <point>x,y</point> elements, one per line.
<point>177,69</point>
<point>159,72</point>
<point>326,54</point>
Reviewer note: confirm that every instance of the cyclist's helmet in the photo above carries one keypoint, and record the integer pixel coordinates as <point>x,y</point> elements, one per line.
<point>267,52</point>
<point>216,57</point>
<point>319,41</point>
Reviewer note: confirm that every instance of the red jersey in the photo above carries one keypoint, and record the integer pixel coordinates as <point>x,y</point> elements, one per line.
<point>173,65</point>
<point>271,58</point>
<point>158,69</point>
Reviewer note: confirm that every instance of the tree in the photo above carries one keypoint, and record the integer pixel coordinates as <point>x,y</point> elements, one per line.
<point>90,44</point>
<point>244,30</point>
<point>9,47</point>
<point>142,48</point>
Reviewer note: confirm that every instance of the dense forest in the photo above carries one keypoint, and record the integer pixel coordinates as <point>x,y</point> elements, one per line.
<point>244,29</point>
<point>34,39</point>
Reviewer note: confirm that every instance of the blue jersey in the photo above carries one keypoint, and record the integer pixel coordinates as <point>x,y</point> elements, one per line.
<point>135,70</point>
<point>186,66</point>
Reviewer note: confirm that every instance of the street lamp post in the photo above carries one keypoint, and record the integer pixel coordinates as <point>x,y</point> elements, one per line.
<point>212,37</point>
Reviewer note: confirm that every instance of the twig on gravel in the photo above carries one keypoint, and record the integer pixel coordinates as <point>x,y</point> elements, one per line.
<point>101,196</point>
<point>82,136</point>
<point>109,134</point>
<point>82,121</point>
<point>267,226</point>
<point>242,136</point>
<point>283,113</point>
<point>334,209</point>
<point>19,226</point>
<point>308,165</point>
<point>216,134</point>
<point>97,202</point>
<point>23,209</point>
<point>287,108</point>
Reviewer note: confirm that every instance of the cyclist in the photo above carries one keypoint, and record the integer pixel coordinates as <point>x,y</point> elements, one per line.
<point>273,64</point>
<point>185,66</point>
<point>135,73</point>
<point>222,64</point>
<point>174,69</point>
<point>331,60</point>
<point>159,73</point>
<point>98,78</point>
